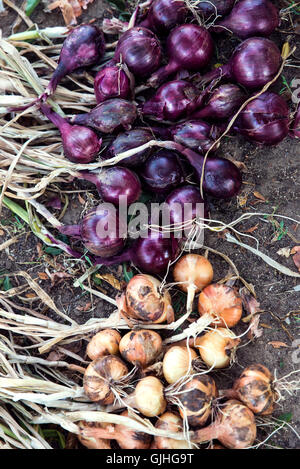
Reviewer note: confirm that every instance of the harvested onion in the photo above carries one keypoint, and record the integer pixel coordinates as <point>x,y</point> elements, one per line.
<point>217,347</point>
<point>192,272</point>
<point>141,348</point>
<point>177,362</point>
<point>172,423</point>
<point>221,302</point>
<point>149,396</point>
<point>105,342</point>
<point>100,377</point>
<point>92,442</point>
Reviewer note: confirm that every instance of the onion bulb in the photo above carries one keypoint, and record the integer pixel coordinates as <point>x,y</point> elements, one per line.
<point>234,427</point>
<point>100,377</point>
<point>105,342</point>
<point>177,362</point>
<point>145,301</point>
<point>192,272</point>
<point>221,302</point>
<point>171,422</point>
<point>217,347</point>
<point>126,437</point>
<point>149,397</point>
<point>255,388</point>
<point>91,442</point>
<point>141,348</point>
<point>196,399</point>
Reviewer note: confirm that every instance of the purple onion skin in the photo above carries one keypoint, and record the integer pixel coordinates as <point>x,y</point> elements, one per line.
<point>195,134</point>
<point>151,254</point>
<point>253,64</point>
<point>173,100</point>
<point>92,231</point>
<point>109,116</point>
<point>115,184</point>
<point>185,195</point>
<point>214,7</point>
<point>265,120</point>
<point>164,15</point>
<point>128,140</point>
<point>80,144</point>
<point>162,172</point>
<point>112,82</point>
<point>222,103</point>
<point>140,50</point>
<point>84,46</point>
<point>189,47</point>
<point>250,18</point>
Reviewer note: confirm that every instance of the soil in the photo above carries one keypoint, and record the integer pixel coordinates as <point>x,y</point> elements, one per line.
<point>271,185</point>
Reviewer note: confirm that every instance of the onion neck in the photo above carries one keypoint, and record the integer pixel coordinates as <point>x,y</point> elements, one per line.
<point>163,73</point>
<point>93,177</point>
<point>60,71</point>
<point>221,72</point>
<point>71,230</point>
<point>55,118</point>
<point>212,432</point>
<point>125,256</point>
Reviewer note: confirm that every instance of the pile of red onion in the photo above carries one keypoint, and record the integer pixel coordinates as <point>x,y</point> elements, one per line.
<point>162,105</point>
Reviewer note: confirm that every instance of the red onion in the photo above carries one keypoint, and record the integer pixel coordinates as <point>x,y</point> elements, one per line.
<point>253,64</point>
<point>84,46</point>
<point>195,134</point>
<point>111,115</point>
<point>115,184</point>
<point>222,103</point>
<point>80,144</point>
<point>151,254</point>
<point>164,15</point>
<point>189,47</point>
<point>162,171</point>
<point>128,140</point>
<point>250,18</point>
<point>265,120</point>
<point>214,7</point>
<point>101,231</point>
<point>140,50</point>
<point>113,82</point>
<point>172,101</point>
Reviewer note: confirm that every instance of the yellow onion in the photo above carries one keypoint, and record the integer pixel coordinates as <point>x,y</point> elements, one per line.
<point>141,348</point>
<point>149,397</point>
<point>196,399</point>
<point>192,272</point>
<point>255,388</point>
<point>172,423</point>
<point>234,427</point>
<point>91,442</point>
<point>126,437</point>
<point>105,342</point>
<point>146,302</point>
<point>217,347</point>
<point>222,303</point>
<point>177,362</point>
<point>100,377</point>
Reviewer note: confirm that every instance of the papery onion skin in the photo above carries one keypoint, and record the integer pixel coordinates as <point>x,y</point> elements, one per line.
<point>140,50</point>
<point>177,362</point>
<point>250,18</point>
<point>126,141</point>
<point>265,120</point>
<point>195,134</point>
<point>141,348</point>
<point>145,301</point>
<point>112,82</point>
<point>162,172</point>
<point>109,116</point>
<point>173,100</point>
<point>255,388</point>
<point>217,347</point>
<point>171,422</point>
<point>84,46</point>
<point>189,47</point>
<point>105,342</point>
<point>149,396</point>
<point>222,302</point>
<point>164,15</point>
<point>197,397</point>
<point>193,269</point>
<point>234,427</point>
<point>100,375</point>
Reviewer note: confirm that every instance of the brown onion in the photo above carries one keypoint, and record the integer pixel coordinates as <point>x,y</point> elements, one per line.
<point>172,423</point>
<point>217,347</point>
<point>141,348</point>
<point>91,442</point>
<point>192,272</point>
<point>149,397</point>
<point>105,342</point>
<point>222,302</point>
<point>177,362</point>
<point>100,377</point>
